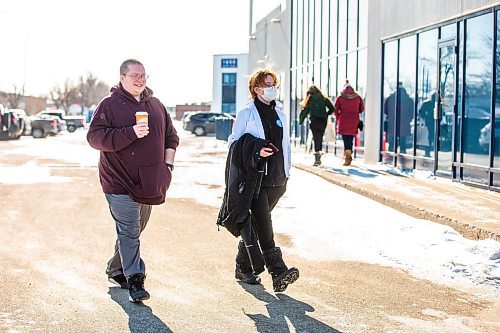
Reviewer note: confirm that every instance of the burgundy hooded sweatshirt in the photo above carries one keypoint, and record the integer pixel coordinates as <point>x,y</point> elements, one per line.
<point>127,164</point>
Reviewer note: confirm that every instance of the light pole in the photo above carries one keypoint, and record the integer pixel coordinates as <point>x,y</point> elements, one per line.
<point>250,18</point>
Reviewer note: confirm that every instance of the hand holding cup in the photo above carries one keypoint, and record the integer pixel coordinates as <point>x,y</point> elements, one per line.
<point>141,128</point>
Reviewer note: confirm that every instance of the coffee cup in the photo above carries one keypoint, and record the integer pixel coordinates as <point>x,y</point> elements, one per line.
<point>141,117</point>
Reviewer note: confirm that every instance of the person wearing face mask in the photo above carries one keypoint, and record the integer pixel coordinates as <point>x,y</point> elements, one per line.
<point>263,118</point>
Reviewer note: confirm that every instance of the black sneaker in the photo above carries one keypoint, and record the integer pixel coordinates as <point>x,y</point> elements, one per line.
<point>136,290</point>
<point>246,277</point>
<point>120,280</point>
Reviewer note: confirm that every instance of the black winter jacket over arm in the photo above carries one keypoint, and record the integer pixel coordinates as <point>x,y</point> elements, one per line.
<point>244,171</point>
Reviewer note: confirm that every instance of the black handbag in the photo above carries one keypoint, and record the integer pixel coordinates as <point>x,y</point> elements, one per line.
<point>361,125</point>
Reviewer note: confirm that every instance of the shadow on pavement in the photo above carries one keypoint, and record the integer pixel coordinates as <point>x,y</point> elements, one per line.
<point>354,172</point>
<point>140,316</point>
<point>280,307</point>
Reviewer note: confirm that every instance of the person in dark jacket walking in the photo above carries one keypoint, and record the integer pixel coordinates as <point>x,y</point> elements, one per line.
<point>348,106</point>
<point>264,118</point>
<point>315,105</point>
<point>135,168</point>
<point>404,111</point>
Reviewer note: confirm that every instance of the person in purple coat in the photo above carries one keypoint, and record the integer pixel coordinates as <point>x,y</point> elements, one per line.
<point>135,168</point>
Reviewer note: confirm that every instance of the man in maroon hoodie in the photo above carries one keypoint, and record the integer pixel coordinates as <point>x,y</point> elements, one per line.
<point>135,168</point>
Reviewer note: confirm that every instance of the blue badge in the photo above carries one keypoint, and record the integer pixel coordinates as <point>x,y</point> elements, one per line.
<point>278,122</point>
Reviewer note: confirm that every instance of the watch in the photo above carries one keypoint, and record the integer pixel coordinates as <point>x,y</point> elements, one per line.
<point>170,166</point>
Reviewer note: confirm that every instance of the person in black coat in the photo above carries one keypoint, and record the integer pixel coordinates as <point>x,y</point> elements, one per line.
<point>257,171</point>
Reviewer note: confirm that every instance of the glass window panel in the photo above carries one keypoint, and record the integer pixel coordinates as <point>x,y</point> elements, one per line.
<point>341,73</point>
<point>293,101</point>
<point>406,91</point>
<point>332,77</point>
<point>325,29</point>
<point>316,73</point>
<point>324,76</point>
<point>458,75</point>
<point>294,34</point>
<point>427,85</point>
<point>496,179</point>
<point>299,84</point>
<point>363,23</point>
<point>312,23</point>
<point>228,107</point>
<point>307,45</point>
<point>389,98</point>
<point>333,27</point>
<point>342,25</point>
<point>496,138</point>
<point>479,37</point>
<point>448,31</point>
<point>352,23</point>
<point>228,91</point>
<point>361,84</point>
<point>351,68</point>
<point>475,175</point>
<point>300,33</point>
<point>317,30</point>
<point>362,65</point>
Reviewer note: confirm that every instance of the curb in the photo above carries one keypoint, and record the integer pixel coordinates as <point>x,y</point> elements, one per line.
<point>465,229</point>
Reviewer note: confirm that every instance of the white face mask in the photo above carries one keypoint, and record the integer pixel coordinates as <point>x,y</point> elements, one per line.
<point>270,93</point>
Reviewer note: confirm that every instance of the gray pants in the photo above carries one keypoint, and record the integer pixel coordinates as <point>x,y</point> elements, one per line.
<point>130,218</point>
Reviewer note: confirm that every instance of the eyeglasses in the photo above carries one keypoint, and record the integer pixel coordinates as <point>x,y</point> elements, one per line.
<point>137,76</point>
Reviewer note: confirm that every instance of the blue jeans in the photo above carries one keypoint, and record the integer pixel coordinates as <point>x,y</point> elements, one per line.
<point>130,218</point>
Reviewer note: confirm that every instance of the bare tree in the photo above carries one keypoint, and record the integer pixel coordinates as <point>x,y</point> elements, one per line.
<point>14,97</point>
<point>64,96</point>
<point>91,90</point>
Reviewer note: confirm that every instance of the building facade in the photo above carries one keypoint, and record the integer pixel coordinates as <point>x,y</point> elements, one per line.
<point>437,88</point>
<point>427,71</point>
<point>269,47</point>
<point>230,86</point>
<point>328,47</point>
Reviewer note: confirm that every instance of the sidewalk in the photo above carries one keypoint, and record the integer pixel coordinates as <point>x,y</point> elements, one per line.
<point>473,212</point>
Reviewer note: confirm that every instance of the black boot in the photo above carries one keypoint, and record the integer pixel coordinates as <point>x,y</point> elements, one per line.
<point>136,290</point>
<point>282,276</point>
<point>317,158</point>
<point>243,270</point>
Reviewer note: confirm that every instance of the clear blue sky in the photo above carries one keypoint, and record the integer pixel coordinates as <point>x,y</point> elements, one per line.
<point>45,42</point>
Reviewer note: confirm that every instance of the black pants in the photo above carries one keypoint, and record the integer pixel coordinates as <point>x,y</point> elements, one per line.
<point>348,139</point>
<point>261,212</point>
<point>318,127</point>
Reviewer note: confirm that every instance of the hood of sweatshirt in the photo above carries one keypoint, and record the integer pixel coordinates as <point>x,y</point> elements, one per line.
<point>146,95</point>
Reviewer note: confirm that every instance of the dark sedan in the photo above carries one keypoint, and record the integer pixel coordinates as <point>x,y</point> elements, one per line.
<point>202,123</point>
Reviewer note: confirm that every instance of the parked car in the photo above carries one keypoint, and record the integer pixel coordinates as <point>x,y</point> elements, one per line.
<point>23,117</point>
<point>72,123</point>
<point>43,125</point>
<point>187,114</point>
<point>4,124</point>
<point>12,126</point>
<point>484,137</point>
<point>202,123</point>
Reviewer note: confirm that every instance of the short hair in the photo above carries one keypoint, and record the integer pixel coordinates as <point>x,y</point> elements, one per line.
<point>124,65</point>
<point>258,78</point>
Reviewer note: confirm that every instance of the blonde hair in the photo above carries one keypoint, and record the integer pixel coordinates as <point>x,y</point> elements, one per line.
<point>313,90</point>
<point>257,79</point>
